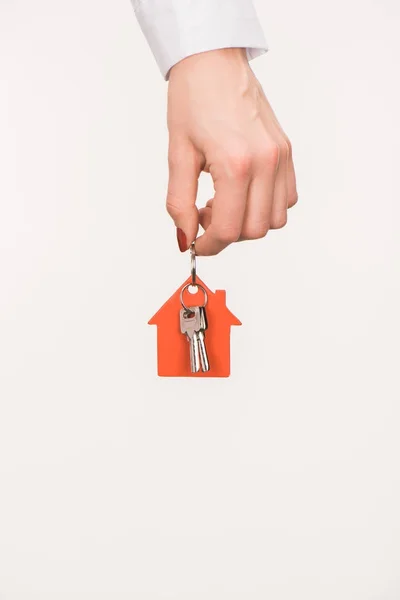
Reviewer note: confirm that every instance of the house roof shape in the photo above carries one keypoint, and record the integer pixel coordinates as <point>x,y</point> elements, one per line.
<point>217,298</point>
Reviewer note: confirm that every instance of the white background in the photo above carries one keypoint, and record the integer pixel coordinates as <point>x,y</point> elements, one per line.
<point>282,482</point>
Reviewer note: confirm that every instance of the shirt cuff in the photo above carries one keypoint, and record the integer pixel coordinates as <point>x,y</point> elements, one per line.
<point>176,29</point>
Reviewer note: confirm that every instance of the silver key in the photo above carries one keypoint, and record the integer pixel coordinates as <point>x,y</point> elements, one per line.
<point>190,326</point>
<point>205,366</point>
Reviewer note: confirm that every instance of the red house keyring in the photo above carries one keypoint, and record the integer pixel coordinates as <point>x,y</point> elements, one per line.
<point>172,347</point>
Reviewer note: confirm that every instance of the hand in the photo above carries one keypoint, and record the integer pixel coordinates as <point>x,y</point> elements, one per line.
<point>220,121</point>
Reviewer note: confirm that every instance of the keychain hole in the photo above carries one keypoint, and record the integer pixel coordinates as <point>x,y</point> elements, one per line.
<point>193,289</point>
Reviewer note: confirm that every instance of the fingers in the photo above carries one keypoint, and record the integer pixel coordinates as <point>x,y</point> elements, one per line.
<point>291,179</point>
<point>272,124</point>
<point>184,171</point>
<point>225,219</point>
<point>253,191</point>
<point>261,192</point>
<point>257,220</point>
<point>280,202</point>
<point>274,183</point>
<point>271,191</point>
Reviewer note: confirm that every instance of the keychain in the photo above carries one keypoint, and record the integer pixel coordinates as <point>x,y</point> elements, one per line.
<point>193,330</point>
<point>193,321</point>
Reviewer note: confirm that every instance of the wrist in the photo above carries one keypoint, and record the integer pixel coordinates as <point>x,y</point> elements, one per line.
<point>218,60</point>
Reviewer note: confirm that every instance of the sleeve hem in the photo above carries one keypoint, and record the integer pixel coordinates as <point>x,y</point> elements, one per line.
<point>173,37</point>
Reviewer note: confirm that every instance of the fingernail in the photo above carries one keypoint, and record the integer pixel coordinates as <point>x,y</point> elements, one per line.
<point>182,241</point>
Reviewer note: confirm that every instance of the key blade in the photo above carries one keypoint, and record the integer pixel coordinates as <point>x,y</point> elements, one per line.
<point>194,354</point>
<point>205,366</point>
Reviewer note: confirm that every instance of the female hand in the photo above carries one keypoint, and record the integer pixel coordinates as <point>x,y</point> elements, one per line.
<point>220,121</point>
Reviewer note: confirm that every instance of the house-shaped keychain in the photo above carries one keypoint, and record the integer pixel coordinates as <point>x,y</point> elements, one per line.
<point>173,350</point>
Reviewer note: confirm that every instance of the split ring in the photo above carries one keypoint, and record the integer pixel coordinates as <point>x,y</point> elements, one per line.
<point>198,286</point>
<point>193,263</point>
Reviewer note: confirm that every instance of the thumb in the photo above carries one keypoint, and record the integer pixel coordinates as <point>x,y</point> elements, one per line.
<point>184,171</point>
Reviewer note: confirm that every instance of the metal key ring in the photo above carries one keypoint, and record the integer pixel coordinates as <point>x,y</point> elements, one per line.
<point>193,263</point>
<point>198,286</point>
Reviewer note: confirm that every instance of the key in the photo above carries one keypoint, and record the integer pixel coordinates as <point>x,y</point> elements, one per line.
<point>205,366</point>
<point>190,325</point>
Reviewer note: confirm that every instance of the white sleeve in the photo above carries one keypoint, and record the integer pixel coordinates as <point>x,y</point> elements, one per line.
<point>176,29</point>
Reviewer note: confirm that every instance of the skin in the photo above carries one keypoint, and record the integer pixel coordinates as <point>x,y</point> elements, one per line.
<point>220,122</point>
